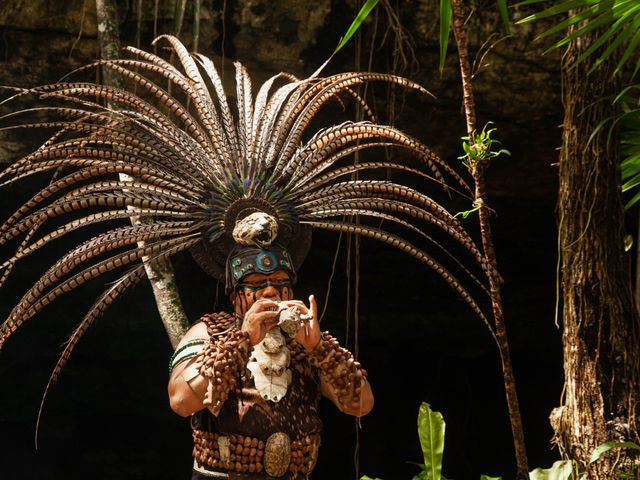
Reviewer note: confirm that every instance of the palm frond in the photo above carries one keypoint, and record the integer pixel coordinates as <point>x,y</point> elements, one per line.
<point>620,16</point>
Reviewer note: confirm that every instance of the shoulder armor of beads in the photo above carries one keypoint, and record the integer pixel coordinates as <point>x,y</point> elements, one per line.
<point>218,322</point>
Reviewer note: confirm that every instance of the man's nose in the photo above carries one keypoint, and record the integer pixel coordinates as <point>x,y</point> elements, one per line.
<point>270,292</point>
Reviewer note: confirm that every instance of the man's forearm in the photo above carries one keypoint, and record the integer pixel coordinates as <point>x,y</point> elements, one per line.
<point>344,377</point>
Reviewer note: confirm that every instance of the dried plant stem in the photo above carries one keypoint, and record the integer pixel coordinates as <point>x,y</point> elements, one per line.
<point>159,272</point>
<point>489,252</point>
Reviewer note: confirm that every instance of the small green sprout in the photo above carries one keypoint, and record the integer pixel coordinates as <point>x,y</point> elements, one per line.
<point>478,149</point>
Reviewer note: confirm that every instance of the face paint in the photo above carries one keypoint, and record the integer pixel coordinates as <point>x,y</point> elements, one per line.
<point>249,291</point>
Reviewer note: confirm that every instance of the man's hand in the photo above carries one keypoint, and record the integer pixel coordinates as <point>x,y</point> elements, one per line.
<point>259,319</point>
<point>309,333</point>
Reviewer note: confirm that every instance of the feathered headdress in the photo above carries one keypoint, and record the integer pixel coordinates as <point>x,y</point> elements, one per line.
<point>195,166</point>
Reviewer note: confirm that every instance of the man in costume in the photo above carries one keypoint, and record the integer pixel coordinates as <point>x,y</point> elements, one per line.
<point>241,189</point>
<point>253,386</point>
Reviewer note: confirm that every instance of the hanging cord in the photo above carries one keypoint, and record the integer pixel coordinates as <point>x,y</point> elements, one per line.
<point>80,31</point>
<point>347,313</point>
<point>138,36</point>
<point>156,11</point>
<point>356,244</point>
<point>196,24</point>
<point>224,35</point>
<point>138,22</point>
<point>330,281</point>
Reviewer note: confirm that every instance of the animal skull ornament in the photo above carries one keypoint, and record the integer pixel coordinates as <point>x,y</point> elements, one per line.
<point>269,366</point>
<point>258,229</point>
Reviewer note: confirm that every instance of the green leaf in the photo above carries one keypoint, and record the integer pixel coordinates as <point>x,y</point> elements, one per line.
<point>560,470</point>
<point>362,15</point>
<point>629,474</point>
<point>555,10</point>
<point>529,2</point>
<point>592,17</point>
<point>595,23</point>
<point>620,20</point>
<point>504,13</point>
<point>633,182</point>
<point>466,213</point>
<point>633,201</point>
<point>445,29</point>
<point>605,447</point>
<point>571,20</point>
<point>365,477</point>
<point>431,429</point>
<point>487,477</point>
<point>631,48</point>
<point>622,37</point>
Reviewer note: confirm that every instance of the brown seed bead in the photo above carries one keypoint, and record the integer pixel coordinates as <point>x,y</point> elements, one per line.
<point>247,441</point>
<point>259,467</point>
<point>252,467</point>
<point>239,448</point>
<point>254,442</point>
<point>246,451</point>
<point>245,467</point>
<point>210,461</point>
<point>260,444</point>
<point>245,459</point>
<point>253,452</point>
<point>238,467</point>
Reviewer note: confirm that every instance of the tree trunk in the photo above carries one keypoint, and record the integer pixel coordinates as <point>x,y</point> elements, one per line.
<point>600,324</point>
<point>159,271</point>
<point>477,171</point>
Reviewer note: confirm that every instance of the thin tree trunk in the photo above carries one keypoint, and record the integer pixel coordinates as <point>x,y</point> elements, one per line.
<point>600,324</point>
<point>159,272</point>
<point>489,252</point>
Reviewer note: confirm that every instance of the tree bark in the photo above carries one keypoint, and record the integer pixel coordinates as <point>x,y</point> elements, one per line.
<point>159,271</point>
<point>600,323</point>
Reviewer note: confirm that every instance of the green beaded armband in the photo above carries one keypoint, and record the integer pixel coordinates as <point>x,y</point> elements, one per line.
<point>194,347</point>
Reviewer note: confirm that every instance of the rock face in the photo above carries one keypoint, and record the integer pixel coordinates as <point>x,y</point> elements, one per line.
<point>409,323</point>
<point>277,33</point>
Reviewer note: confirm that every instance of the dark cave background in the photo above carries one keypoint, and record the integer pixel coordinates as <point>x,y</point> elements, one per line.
<point>108,416</point>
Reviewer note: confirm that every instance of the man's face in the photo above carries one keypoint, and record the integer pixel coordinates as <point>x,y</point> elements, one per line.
<point>275,286</point>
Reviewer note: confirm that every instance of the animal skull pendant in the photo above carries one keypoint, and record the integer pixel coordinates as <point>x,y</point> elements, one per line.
<point>269,366</point>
